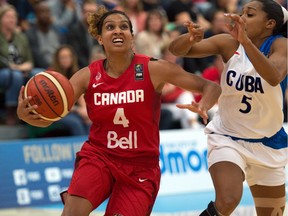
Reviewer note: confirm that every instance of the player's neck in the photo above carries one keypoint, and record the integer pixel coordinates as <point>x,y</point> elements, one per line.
<point>116,66</point>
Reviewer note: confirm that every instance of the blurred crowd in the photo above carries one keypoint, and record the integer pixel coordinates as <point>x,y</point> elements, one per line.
<point>39,35</point>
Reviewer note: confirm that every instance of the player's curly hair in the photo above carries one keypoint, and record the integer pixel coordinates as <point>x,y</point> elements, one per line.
<point>95,20</point>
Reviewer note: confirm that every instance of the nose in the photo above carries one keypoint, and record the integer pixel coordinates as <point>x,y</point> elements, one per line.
<point>117,30</point>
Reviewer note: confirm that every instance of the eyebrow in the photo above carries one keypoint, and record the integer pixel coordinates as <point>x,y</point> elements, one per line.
<point>250,7</point>
<point>113,21</point>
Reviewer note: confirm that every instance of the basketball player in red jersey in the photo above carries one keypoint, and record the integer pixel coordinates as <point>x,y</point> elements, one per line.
<point>120,159</point>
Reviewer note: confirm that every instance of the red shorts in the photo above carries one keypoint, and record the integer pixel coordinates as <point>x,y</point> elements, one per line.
<point>131,188</point>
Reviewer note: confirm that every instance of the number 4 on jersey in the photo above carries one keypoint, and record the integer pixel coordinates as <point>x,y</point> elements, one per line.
<point>120,118</point>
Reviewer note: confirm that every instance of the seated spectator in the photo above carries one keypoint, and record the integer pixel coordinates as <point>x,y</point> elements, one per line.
<point>76,123</point>
<point>217,20</point>
<point>151,4</point>
<point>97,53</point>
<point>44,38</point>
<point>283,3</point>
<point>178,12</point>
<point>109,4</point>
<point>63,14</point>
<point>228,6</point>
<point>16,63</point>
<point>3,2</point>
<point>153,38</point>
<point>78,36</point>
<point>25,11</point>
<point>202,6</point>
<point>135,11</point>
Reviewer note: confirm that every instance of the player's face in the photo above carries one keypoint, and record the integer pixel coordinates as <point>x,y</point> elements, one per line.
<point>116,34</point>
<point>256,19</point>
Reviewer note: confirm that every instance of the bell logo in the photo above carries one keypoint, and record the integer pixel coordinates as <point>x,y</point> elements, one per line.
<point>129,142</point>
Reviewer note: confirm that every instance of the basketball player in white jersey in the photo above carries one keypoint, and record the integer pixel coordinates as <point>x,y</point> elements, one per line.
<point>246,140</point>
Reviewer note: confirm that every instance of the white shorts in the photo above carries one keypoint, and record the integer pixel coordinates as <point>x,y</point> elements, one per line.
<point>261,165</point>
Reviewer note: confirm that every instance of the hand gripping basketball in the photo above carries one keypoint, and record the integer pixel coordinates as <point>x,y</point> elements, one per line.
<point>52,93</point>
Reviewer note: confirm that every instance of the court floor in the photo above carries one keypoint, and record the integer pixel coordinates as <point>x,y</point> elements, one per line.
<point>55,212</point>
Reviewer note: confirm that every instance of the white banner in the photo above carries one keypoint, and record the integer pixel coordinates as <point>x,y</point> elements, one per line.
<point>183,162</point>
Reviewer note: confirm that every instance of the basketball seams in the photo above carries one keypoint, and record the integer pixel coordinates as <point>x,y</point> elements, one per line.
<point>26,94</point>
<point>61,95</point>
<point>51,109</point>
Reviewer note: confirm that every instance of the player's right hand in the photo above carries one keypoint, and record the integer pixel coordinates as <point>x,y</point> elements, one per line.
<point>196,108</point>
<point>195,31</point>
<point>25,111</point>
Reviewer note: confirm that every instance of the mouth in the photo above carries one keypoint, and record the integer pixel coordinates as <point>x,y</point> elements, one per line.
<point>118,41</point>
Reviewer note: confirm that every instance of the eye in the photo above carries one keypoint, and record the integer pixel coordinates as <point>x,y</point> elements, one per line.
<point>124,26</point>
<point>249,15</point>
<point>110,27</point>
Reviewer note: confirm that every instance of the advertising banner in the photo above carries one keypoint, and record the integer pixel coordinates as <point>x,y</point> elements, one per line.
<point>34,172</point>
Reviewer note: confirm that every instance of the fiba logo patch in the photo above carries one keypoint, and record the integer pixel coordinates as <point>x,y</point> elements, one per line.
<point>138,69</point>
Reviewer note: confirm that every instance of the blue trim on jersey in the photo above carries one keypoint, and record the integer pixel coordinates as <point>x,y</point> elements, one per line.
<point>283,85</point>
<point>265,47</point>
<point>277,141</point>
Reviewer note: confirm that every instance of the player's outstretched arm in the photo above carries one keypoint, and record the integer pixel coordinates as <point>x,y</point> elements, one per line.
<point>26,114</point>
<point>166,72</point>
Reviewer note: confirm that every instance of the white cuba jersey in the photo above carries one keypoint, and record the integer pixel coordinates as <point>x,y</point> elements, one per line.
<point>249,107</point>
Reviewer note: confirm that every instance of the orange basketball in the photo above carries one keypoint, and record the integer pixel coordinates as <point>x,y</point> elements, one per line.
<point>52,92</point>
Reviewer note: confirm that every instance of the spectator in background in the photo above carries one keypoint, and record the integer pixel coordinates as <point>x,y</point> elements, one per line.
<point>134,10</point>
<point>16,63</point>
<point>2,2</point>
<point>282,3</point>
<point>78,36</point>
<point>43,36</point>
<point>228,6</point>
<point>76,123</point>
<point>25,11</point>
<point>181,10</point>
<point>151,4</point>
<point>97,54</point>
<point>217,20</point>
<point>178,12</point>
<point>109,4</point>
<point>65,62</point>
<point>152,40</point>
<point>63,13</point>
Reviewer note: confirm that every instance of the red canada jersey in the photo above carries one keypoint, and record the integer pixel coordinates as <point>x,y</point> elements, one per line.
<point>124,111</point>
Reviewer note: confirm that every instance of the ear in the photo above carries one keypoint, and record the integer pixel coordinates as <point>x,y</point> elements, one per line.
<point>99,39</point>
<point>271,23</point>
<point>133,41</point>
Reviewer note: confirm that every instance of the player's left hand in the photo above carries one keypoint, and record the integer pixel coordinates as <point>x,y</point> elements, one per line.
<point>197,108</point>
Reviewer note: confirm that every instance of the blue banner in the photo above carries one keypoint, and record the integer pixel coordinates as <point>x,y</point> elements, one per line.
<point>34,172</point>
